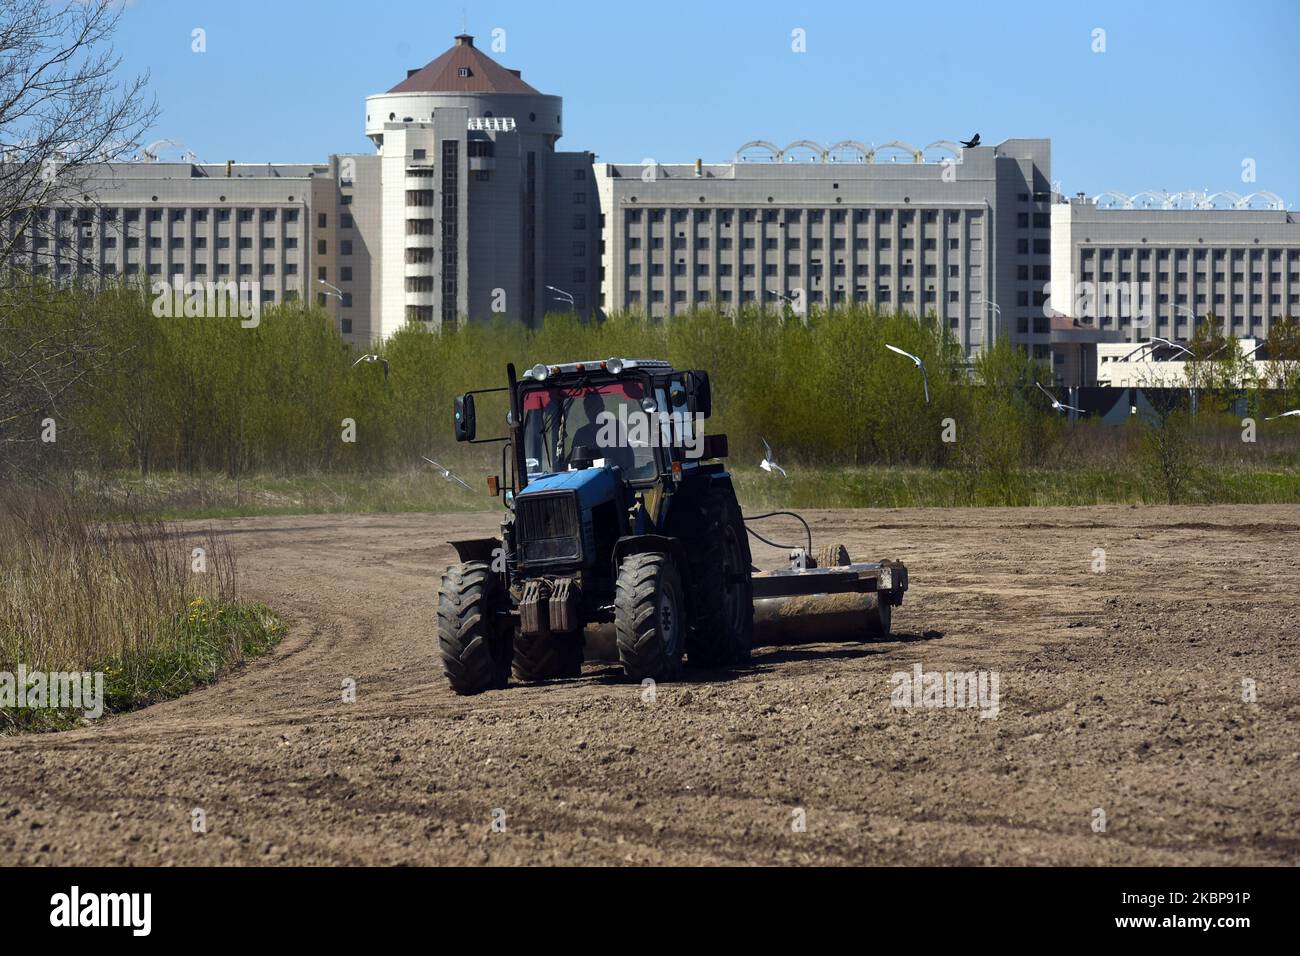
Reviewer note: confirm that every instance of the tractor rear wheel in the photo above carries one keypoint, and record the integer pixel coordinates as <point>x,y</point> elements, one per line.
<point>546,657</point>
<point>880,615</point>
<point>722,612</point>
<point>474,636</point>
<point>649,616</point>
<point>831,556</point>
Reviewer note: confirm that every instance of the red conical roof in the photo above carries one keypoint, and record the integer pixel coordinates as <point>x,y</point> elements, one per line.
<point>464,69</point>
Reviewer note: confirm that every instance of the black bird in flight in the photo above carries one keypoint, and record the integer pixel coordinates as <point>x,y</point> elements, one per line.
<point>972,142</point>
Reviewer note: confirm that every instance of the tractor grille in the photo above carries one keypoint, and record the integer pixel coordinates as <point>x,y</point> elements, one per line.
<point>547,528</point>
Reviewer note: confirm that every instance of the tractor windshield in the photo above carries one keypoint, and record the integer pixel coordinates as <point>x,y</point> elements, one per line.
<point>606,419</point>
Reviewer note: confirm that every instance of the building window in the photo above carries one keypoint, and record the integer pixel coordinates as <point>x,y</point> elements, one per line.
<point>450,190</point>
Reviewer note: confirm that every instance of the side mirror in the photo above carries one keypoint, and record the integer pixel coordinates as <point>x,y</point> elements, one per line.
<point>465,420</point>
<point>700,395</point>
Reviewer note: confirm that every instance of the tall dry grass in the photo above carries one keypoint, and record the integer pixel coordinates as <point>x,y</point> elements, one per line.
<point>76,591</point>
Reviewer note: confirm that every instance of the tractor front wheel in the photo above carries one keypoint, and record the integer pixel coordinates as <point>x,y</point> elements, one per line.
<point>475,636</point>
<point>649,616</point>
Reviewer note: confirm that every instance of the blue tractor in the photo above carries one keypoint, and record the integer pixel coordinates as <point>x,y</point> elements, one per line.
<point>619,512</point>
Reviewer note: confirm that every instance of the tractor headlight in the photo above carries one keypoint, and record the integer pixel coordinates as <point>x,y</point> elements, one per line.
<point>539,372</point>
<point>614,366</point>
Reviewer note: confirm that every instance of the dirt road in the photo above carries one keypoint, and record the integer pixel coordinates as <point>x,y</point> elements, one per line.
<point>1121,693</point>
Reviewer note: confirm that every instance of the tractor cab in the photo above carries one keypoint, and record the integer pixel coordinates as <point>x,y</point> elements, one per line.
<point>632,428</point>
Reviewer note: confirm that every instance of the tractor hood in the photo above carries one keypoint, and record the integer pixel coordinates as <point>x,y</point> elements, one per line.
<point>594,486</point>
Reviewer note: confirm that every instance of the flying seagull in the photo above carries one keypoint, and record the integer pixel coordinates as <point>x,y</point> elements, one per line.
<point>925,377</point>
<point>373,358</point>
<point>446,473</point>
<point>1059,406</point>
<point>767,464</point>
<point>1294,413</point>
<point>972,142</point>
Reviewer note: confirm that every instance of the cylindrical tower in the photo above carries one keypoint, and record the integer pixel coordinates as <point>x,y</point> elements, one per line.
<point>462,134</point>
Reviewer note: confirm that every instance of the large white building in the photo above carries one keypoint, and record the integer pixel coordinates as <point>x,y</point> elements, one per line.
<point>465,209</point>
<point>959,233</point>
<point>1157,266</point>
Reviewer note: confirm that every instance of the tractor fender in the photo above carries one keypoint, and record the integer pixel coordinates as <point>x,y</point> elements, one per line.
<point>696,483</point>
<point>643,543</point>
<point>477,549</point>
<point>702,479</point>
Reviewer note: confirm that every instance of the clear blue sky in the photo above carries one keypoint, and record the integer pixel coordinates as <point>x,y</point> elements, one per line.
<point>1183,93</point>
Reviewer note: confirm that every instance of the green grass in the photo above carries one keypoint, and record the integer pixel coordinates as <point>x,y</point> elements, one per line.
<point>172,496</point>
<point>199,645</point>
<point>874,486</point>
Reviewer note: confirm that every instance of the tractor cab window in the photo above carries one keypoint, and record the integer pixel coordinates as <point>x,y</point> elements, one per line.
<point>606,419</point>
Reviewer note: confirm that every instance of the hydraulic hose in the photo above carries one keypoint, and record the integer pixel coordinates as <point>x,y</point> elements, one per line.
<point>773,514</point>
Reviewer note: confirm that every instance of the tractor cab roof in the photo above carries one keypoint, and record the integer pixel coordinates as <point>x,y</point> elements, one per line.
<point>611,366</point>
